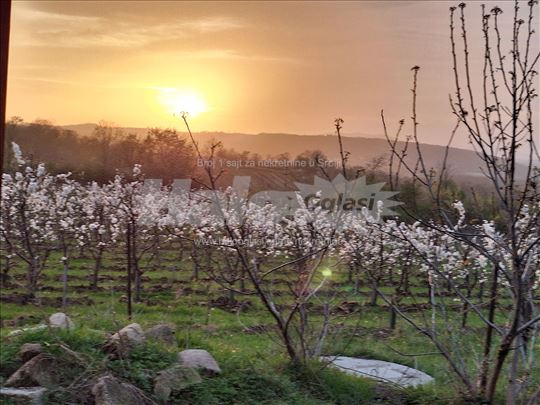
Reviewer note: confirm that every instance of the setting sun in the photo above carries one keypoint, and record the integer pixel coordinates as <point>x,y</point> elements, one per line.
<point>177,101</point>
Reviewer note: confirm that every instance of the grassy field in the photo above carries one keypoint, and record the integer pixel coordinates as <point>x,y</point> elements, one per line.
<point>255,368</point>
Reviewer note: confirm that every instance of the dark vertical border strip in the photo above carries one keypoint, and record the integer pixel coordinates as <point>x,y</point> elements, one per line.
<point>5,14</point>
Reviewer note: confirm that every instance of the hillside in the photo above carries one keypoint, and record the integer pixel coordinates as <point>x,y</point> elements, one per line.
<point>462,163</point>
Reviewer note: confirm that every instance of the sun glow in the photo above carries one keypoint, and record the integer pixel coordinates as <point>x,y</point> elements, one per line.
<point>182,101</point>
<point>326,273</point>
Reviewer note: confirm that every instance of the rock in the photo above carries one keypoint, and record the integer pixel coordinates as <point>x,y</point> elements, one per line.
<point>163,333</point>
<point>40,370</point>
<point>60,320</point>
<point>23,396</point>
<point>110,391</point>
<point>383,371</point>
<point>17,332</point>
<point>174,378</point>
<point>70,355</point>
<point>199,359</point>
<point>29,350</point>
<point>123,341</point>
<point>132,334</point>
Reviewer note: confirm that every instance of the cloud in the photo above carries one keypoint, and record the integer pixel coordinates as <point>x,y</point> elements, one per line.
<point>38,16</point>
<point>213,24</point>
<point>54,81</point>
<point>233,54</point>
<point>49,29</point>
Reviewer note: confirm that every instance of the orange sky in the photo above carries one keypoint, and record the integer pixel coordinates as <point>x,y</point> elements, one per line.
<point>260,67</point>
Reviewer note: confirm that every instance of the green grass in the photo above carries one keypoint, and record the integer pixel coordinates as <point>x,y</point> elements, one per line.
<point>245,379</point>
<point>255,368</point>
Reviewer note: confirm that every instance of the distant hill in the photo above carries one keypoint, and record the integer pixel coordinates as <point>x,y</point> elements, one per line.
<point>462,163</point>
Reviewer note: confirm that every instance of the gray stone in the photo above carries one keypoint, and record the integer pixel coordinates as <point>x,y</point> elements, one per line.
<point>23,396</point>
<point>379,370</point>
<point>29,350</point>
<point>123,341</point>
<point>199,359</point>
<point>132,334</point>
<point>174,378</point>
<point>162,333</point>
<point>40,370</point>
<point>60,320</point>
<point>110,391</point>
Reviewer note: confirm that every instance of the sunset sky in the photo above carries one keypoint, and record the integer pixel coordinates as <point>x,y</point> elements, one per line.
<point>247,66</point>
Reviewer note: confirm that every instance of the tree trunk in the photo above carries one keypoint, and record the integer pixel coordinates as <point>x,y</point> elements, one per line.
<point>464,314</point>
<point>374,296</point>
<point>484,370</point>
<point>136,269</point>
<point>356,289</point>
<point>4,277</point>
<point>31,284</point>
<point>196,265</point>
<point>242,280</point>
<point>393,318</point>
<point>157,255</point>
<point>465,306</point>
<point>502,354</point>
<point>138,287</point>
<point>406,284</point>
<point>480,295</point>
<point>82,254</point>
<point>513,389</point>
<point>129,255</point>
<point>65,283</point>
<point>97,268</point>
